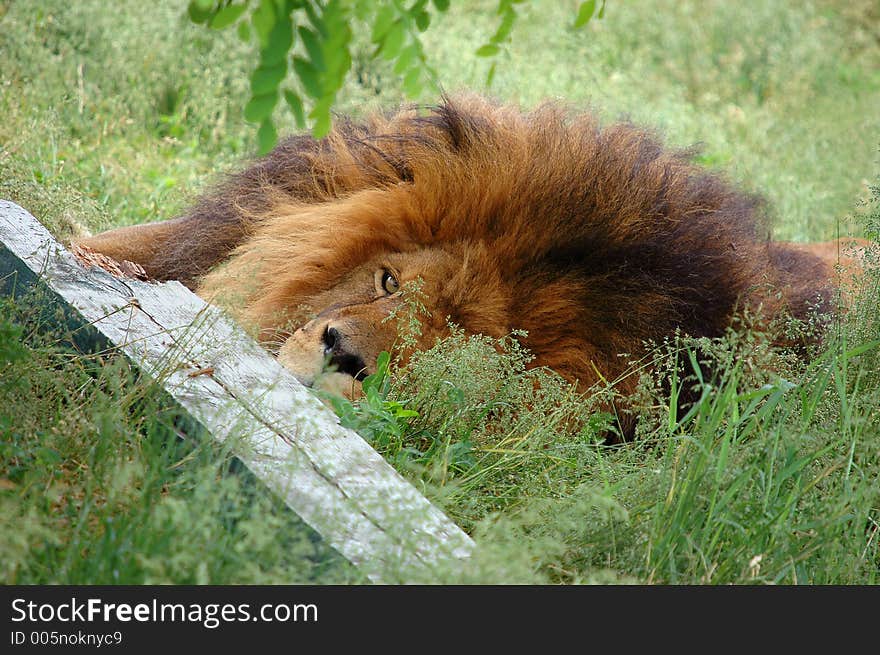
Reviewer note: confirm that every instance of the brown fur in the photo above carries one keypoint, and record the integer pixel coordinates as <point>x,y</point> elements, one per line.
<point>593,240</point>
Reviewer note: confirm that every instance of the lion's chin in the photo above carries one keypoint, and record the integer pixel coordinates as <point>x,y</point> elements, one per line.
<point>334,384</point>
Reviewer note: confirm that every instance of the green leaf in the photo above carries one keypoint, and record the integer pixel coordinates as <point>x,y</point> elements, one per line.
<point>490,77</point>
<point>198,12</point>
<point>384,21</point>
<point>263,20</point>
<point>340,64</point>
<point>322,123</point>
<point>313,47</point>
<point>363,9</point>
<point>279,42</point>
<point>296,106</point>
<point>412,84</point>
<point>265,79</point>
<point>405,58</point>
<point>601,10</point>
<point>488,50</point>
<point>267,137</point>
<point>316,19</point>
<point>393,41</point>
<point>373,382</point>
<point>308,76</point>
<point>259,108</point>
<point>423,20</point>
<point>585,13</point>
<point>227,16</point>
<point>505,27</point>
<point>244,32</point>
<point>337,56</point>
<point>442,5</point>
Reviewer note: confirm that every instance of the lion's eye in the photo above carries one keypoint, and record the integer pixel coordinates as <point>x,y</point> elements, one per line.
<point>390,283</point>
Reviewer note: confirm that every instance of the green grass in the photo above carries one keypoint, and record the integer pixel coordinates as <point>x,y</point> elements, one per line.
<point>112,118</point>
<point>98,487</point>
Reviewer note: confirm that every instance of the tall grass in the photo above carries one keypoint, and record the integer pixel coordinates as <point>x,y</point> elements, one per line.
<point>118,117</point>
<point>98,486</point>
<point>769,477</point>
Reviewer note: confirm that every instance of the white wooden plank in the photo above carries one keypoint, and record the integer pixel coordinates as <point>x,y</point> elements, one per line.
<point>327,474</point>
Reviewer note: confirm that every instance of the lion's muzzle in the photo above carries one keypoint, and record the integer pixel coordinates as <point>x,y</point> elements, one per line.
<point>327,354</point>
<point>341,356</point>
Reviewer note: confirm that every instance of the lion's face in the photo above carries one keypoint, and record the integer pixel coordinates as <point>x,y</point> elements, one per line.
<point>367,311</point>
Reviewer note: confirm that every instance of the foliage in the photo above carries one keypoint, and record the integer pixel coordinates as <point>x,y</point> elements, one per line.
<point>322,60</point>
<point>378,419</point>
<point>761,480</point>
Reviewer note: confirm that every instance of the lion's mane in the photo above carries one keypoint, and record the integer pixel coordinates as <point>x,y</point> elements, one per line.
<point>592,239</point>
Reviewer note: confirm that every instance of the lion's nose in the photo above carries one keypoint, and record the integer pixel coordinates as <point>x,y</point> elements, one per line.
<point>340,356</point>
<point>331,338</point>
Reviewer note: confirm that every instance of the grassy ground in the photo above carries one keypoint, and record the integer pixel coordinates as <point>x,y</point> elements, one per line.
<point>111,118</point>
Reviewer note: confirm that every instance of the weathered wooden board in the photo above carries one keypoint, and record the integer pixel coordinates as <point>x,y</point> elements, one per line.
<point>230,385</point>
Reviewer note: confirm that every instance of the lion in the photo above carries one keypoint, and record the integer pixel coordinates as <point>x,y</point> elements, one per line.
<point>591,240</point>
